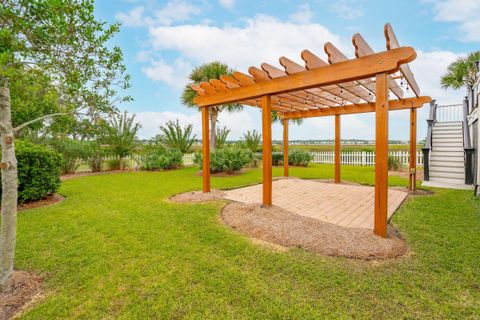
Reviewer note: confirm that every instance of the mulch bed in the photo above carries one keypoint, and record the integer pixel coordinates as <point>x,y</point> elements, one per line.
<point>198,196</point>
<point>20,293</point>
<point>287,229</point>
<point>225,174</point>
<point>51,199</point>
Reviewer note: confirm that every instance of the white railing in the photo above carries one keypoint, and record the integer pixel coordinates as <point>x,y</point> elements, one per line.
<point>363,158</point>
<point>449,113</point>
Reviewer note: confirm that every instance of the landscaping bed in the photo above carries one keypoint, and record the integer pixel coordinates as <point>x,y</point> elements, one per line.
<point>22,290</point>
<point>285,228</point>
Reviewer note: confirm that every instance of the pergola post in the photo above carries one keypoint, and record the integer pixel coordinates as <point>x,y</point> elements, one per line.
<point>413,150</point>
<point>285,147</point>
<point>267,149</point>
<point>381,155</point>
<point>205,150</point>
<point>337,148</point>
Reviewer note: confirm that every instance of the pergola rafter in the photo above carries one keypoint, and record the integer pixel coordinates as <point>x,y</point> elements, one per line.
<point>341,86</point>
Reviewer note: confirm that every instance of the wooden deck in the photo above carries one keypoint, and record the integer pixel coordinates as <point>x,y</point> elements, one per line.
<point>341,204</point>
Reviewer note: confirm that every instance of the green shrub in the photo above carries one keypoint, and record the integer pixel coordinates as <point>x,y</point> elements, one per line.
<point>93,154</point>
<point>177,137</point>
<point>226,160</point>
<point>277,158</point>
<point>160,158</point>
<point>38,171</point>
<point>112,164</point>
<point>252,140</point>
<point>393,163</point>
<point>71,151</point>
<point>256,159</point>
<point>222,134</point>
<point>299,157</point>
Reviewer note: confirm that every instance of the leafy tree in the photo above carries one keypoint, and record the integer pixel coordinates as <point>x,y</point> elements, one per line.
<point>252,140</point>
<point>206,72</point>
<point>222,134</point>
<point>176,137</point>
<point>61,44</point>
<point>119,133</point>
<point>462,72</point>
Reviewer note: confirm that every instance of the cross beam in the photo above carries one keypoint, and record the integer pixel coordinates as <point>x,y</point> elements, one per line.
<point>400,104</point>
<point>350,70</point>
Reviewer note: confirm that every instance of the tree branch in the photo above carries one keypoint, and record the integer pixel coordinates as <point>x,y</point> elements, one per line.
<point>3,126</point>
<point>23,125</point>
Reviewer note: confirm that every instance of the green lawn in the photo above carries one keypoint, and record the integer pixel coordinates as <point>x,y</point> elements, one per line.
<point>116,248</point>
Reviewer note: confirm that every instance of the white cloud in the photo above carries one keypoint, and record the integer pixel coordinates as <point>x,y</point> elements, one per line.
<point>151,121</point>
<point>346,9</point>
<point>227,4</point>
<point>464,12</point>
<point>131,19</point>
<point>175,75</point>
<point>428,68</point>
<point>262,39</point>
<point>143,56</point>
<point>302,15</point>
<point>175,11</point>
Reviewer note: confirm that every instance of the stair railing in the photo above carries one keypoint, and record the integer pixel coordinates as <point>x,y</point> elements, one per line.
<point>467,145</point>
<point>428,141</point>
<point>449,113</point>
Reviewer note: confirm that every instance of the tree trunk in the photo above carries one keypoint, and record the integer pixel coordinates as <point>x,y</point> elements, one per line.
<point>9,188</point>
<point>213,128</point>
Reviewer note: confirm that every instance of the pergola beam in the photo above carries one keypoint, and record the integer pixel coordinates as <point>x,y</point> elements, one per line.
<point>285,147</point>
<point>362,48</point>
<point>267,149</point>
<point>392,43</point>
<point>337,148</point>
<point>350,70</point>
<point>400,104</point>
<point>205,150</point>
<point>413,150</point>
<point>381,156</point>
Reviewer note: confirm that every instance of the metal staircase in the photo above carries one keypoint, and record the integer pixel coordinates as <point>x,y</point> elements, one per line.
<point>448,156</point>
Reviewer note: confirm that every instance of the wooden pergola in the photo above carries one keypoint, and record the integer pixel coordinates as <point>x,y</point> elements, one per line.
<point>367,83</point>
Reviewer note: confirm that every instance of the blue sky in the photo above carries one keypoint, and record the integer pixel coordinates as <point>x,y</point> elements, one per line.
<point>163,40</point>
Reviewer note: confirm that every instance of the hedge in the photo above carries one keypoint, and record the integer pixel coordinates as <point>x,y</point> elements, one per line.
<point>38,171</point>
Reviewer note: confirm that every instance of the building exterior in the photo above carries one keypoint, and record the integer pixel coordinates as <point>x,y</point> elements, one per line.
<point>451,152</point>
<point>472,106</point>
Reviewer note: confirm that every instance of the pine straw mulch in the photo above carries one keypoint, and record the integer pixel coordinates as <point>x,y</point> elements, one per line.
<point>20,293</point>
<point>198,196</point>
<point>49,200</point>
<point>281,227</point>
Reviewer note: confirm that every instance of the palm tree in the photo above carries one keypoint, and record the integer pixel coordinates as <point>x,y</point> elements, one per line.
<point>462,72</point>
<point>177,137</point>
<point>276,118</point>
<point>206,72</point>
<point>120,133</point>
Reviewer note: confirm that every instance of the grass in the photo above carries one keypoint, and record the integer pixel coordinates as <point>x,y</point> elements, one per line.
<point>116,248</point>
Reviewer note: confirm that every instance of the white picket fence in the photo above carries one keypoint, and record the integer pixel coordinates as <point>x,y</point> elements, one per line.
<point>354,158</point>
<point>363,158</point>
<point>132,162</point>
